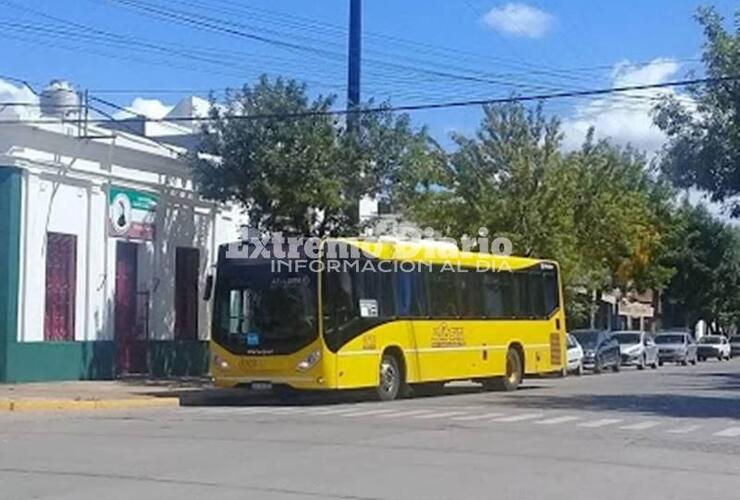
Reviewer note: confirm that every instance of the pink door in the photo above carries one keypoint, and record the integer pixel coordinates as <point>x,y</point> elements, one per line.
<point>61,285</point>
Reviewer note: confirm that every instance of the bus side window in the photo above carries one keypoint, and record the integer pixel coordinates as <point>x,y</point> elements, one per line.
<point>443,293</point>
<point>411,295</point>
<point>493,295</point>
<point>552,292</point>
<point>471,293</point>
<point>536,294</point>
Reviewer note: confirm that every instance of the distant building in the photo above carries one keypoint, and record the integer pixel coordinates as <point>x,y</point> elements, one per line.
<point>104,249</point>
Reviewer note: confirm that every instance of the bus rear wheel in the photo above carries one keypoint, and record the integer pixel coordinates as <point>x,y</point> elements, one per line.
<point>514,374</point>
<point>391,379</point>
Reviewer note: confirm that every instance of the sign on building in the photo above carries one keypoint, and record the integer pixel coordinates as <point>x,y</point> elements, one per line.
<point>132,213</point>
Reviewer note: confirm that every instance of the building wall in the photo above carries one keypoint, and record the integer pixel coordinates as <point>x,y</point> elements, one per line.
<point>61,186</point>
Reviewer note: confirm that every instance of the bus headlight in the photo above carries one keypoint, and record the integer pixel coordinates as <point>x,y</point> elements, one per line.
<point>220,362</point>
<point>309,362</point>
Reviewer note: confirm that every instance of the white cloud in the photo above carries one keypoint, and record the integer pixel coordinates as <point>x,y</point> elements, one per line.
<point>626,118</point>
<point>518,19</point>
<point>17,94</point>
<point>151,108</point>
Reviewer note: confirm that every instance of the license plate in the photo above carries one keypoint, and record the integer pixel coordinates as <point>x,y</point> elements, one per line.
<point>261,386</point>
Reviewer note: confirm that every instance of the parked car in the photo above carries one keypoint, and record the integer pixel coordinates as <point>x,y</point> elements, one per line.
<point>600,350</point>
<point>676,347</point>
<point>637,349</point>
<point>714,346</point>
<point>735,345</point>
<point>575,356</point>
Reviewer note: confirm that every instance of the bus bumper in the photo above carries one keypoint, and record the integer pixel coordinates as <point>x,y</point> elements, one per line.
<point>266,372</point>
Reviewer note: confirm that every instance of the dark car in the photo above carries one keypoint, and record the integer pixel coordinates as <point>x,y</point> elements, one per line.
<point>600,350</point>
<point>678,347</point>
<point>735,345</point>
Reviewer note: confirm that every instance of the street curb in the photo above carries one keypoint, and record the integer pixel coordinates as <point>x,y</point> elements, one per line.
<point>47,405</point>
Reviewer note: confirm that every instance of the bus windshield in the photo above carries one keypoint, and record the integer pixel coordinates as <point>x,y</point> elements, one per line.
<point>265,312</point>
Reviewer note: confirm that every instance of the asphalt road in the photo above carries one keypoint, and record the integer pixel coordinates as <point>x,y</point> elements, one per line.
<point>671,434</point>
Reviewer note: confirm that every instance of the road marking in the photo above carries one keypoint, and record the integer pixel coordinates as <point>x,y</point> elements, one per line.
<point>519,418</point>
<point>477,417</point>
<point>684,430</point>
<point>600,423</point>
<point>404,414</point>
<point>440,415</point>
<point>558,420</point>
<point>729,432</point>
<point>640,426</point>
<point>366,413</point>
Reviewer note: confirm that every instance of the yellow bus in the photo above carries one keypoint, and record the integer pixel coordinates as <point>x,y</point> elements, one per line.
<point>390,315</point>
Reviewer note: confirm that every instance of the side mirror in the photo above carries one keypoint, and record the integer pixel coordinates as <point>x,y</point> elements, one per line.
<point>208,291</point>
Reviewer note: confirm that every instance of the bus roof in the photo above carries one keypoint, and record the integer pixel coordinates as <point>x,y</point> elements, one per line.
<point>436,252</point>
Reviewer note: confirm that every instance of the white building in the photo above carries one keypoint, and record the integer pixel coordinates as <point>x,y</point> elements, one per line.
<point>104,248</point>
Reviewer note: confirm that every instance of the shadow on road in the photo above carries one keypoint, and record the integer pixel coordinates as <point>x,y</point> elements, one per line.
<point>664,405</point>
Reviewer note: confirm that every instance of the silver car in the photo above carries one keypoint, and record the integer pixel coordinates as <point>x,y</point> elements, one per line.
<point>678,347</point>
<point>637,349</point>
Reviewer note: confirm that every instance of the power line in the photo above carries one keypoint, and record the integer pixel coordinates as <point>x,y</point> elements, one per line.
<point>435,106</point>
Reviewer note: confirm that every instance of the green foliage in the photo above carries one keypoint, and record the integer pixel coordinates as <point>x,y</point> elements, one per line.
<point>706,257</point>
<point>296,169</point>
<point>704,137</point>
<point>598,211</point>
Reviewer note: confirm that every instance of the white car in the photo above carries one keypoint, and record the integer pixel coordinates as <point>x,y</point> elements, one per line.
<point>714,346</point>
<point>637,349</point>
<point>575,356</point>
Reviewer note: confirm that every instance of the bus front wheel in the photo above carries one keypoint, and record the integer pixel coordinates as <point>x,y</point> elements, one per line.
<point>514,374</point>
<point>391,381</point>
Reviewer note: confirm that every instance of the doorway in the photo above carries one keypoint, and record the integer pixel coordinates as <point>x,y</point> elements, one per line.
<point>187,274</point>
<point>130,346</point>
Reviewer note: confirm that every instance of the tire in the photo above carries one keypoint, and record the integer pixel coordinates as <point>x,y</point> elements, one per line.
<point>598,365</point>
<point>514,374</point>
<point>391,384</point>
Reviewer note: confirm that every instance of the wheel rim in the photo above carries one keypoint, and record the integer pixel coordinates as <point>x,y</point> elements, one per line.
<point>388,377</point>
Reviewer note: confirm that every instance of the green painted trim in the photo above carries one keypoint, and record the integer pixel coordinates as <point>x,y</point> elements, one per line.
<point>178,358</point>
<point>10,228</point>
<point>49,361</point>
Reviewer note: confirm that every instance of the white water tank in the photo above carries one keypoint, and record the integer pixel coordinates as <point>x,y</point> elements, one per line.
<point>59,99</point>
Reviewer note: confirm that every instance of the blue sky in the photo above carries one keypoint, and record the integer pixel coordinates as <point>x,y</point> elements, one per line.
<point>515,47</point>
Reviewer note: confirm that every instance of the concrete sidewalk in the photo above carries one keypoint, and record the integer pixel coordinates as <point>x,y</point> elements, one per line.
<point>98,395</point>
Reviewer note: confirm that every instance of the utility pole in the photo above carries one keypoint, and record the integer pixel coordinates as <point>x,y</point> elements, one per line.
<point>355,58</point>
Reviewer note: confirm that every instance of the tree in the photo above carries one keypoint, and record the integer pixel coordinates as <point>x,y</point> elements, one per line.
<point>294,166</point>
<point>598,211</point>
<point>706,258</point>
<point>703,149</point>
